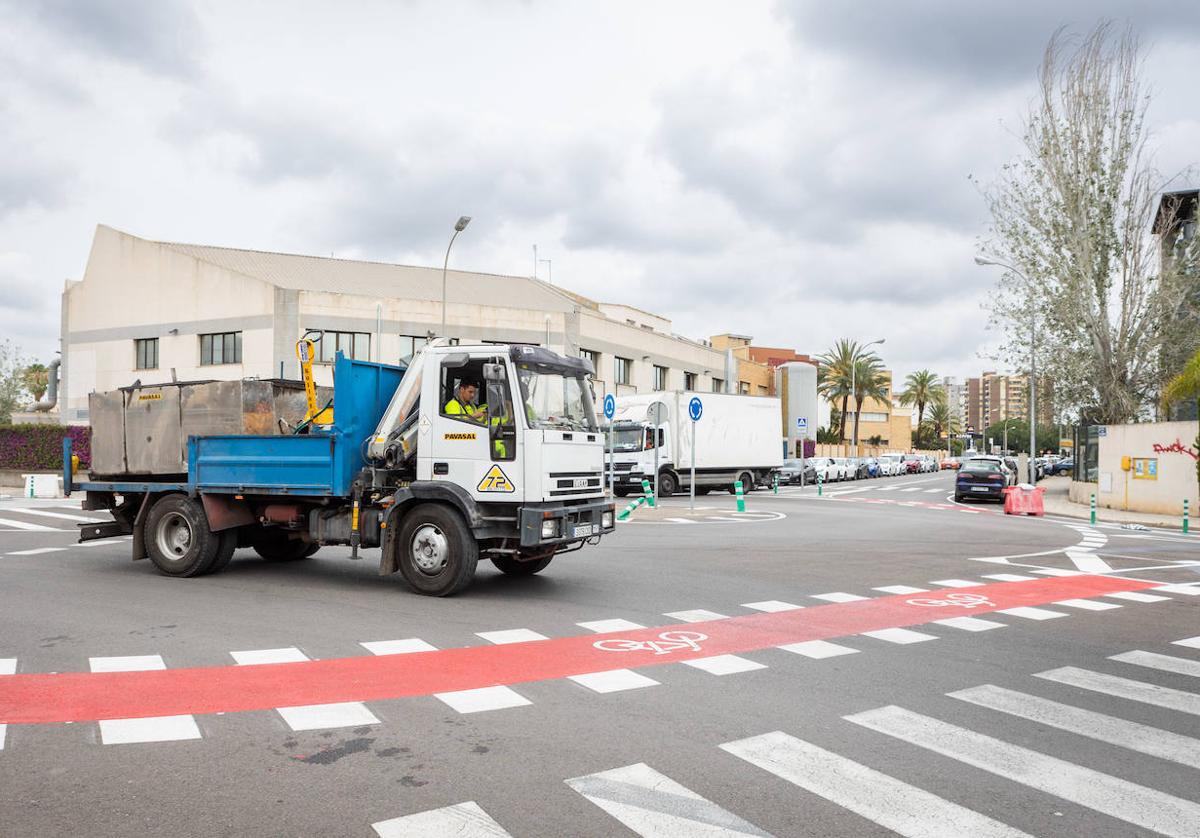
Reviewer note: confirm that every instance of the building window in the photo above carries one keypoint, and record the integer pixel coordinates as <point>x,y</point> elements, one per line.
<point>873,417</point>
<point>621,369</point>
<point>221,348</point>
<point>145,352</point>
<point>718,385</point>
<point>689,381</point>
<point>356,345</point>
<point>660,377</point>
<point>744,388</point>
<point>762,391</point>
<point>594,357</point>
<point>410,345</point>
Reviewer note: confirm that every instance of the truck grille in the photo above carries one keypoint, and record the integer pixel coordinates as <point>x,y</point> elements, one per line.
<point>622,466</point>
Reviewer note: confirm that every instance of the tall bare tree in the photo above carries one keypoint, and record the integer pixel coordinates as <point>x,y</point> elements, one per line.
<point>1072,219</point>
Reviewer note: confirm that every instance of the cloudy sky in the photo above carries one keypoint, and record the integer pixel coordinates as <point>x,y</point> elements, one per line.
<point>795,171</point>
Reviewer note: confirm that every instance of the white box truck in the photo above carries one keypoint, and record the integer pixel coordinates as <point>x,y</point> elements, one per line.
<point>737,438</point>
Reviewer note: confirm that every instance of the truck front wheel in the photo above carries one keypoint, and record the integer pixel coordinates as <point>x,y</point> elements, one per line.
<point>178,538</point>
<point>668,484</point>
<point>437,551</point>
<point>514,567</point>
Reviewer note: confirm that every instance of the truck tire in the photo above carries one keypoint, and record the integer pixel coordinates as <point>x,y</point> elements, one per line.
<point>229,543</point>
<point>178,539</point>
<point>274,545</point>
<point>514,567</point>
<point>747,483</point>
<point>437,551</point>
<point>668,484</point>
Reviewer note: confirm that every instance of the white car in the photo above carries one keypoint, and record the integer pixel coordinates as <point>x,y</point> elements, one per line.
<point>847,468</point>
<point>890,465</point>
<point>825,467</point>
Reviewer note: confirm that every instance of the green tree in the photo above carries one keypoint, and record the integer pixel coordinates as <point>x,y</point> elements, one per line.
<point>36,378</point>
<point>943,420</point>
<point>12,383</point>
<point>1018,436</point>
<point>833,380</point>
<point>869,383</point>
<point>1186,385</point>
<point>921,388</point>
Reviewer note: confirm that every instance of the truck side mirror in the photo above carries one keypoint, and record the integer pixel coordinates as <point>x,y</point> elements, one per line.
<point>493,372</point>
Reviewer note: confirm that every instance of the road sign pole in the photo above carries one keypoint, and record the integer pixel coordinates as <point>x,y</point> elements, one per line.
<point>656,427</point>
<point>692,480</point>
<point>610,410</point>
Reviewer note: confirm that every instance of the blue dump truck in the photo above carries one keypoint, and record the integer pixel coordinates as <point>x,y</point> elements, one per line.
<point>469,452</point>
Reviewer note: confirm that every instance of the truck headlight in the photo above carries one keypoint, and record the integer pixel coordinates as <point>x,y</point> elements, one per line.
<point>606,520</point>
<point>550,528</point>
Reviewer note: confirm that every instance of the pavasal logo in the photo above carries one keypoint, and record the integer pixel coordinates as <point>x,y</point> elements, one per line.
<point>495,481</point>
<point>459,436</point>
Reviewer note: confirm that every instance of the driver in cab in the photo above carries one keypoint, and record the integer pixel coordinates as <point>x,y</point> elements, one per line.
<point>462,403</point>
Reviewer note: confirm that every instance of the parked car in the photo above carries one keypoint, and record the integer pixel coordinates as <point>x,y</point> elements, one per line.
<point>981,477</point>
<point>890,465</point>
<point>1062,466</point>
<point>873,468</point>
<point>861,469</point>
<point>912,464</point>
<point>846,468</point>
<point>825,470</point>
<point>929,463</point>
<point>797,471</point>
<point>951,463</point>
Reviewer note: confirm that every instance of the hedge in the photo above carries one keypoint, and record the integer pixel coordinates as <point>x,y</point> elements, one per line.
<point>39,447</point>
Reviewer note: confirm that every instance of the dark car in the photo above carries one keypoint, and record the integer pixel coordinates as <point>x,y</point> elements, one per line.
<point>981,477</point>
<point>1062,467</point>
<point>797,471</point>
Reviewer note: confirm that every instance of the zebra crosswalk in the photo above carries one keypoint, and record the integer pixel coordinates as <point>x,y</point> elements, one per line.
<point>57,518</point>
<point>1108,794</point>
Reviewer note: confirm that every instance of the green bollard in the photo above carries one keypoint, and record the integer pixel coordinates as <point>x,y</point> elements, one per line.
<point>648,493</point>
<point>741,498</point>
<point>775,483</point>
<point>820,483</point>
<point>1185,516</point>
<point>1093,508</point>
<point>628,510</point>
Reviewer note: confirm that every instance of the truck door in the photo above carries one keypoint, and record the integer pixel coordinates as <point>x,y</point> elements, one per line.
<point>472,439</point>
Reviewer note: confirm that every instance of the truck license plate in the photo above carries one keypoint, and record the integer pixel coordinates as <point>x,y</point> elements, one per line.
<point>584,529</point>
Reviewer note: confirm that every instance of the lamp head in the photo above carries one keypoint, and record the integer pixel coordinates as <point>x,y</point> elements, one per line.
<point>463,221</point>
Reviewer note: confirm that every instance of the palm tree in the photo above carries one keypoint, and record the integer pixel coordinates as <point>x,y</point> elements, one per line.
<point>921,388</point>
<point>833,377</point>
<point>869,383</point>
<point>943,420</point>
<point>1186,385</point>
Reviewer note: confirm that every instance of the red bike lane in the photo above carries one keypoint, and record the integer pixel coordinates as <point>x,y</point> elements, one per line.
<point>86,696</point>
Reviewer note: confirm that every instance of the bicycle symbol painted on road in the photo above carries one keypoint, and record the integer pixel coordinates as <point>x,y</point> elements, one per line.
<point>961,600</point>
<point>667,642</point>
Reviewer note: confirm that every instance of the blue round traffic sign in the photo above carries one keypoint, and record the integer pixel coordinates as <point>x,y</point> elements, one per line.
<point>695,408</point>
<point>610,406</point>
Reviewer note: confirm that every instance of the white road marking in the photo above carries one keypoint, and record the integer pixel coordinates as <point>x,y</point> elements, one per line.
<point>1190,642</point>
<point>838,596</point>
<point>970,623</point>
<point>1187,590</point>
<point>506,636</point>
<point>1134,596</point>
<point>250,657</point>
<point>1126,688</point>
<point>614,680</point>
<point>818,649</point>
<point>463,820</point>
<point>884,800</point>
<point>899,635</point>
<point>915,489</point>
<point>100,542</point>
<point>23,525</point>
<point>1057,571</point>
<point>1030,613</point>
<point>326,716</point>
<point>36,551</point>
<point>482,699</point>
<point>1089,562</point>
<point>397,647</point>
<point>771,606</point>
<point>3,733</point>
<point>45,513</point>
<point>127,663</point>
<point>8,666</point>
<point>605,626</point>
<point>1009,577</point>
<point>680,520</point>
<point>1126,734</point>
<point>1144,807</point>
<point>901,589</point>
<point>956,583</point>
<point>154,729</point>
<point>1165,663</point>
<point>696,615</point>
<point>724,664</point>
<point>655,806</point>
<point>1088,604</point>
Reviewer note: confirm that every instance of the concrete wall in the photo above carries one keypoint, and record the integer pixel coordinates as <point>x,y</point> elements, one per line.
<point>1118,489</point>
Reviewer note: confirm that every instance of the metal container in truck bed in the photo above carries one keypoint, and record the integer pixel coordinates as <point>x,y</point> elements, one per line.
<point>143,430</point>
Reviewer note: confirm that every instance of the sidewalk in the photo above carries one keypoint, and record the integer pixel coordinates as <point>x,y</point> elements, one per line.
<point>1056,502</point>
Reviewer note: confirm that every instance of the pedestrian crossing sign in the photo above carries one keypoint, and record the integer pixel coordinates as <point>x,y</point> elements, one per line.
<point>495,481</point>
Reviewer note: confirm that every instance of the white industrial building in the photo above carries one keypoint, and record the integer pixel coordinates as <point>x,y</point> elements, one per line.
<point>160,311</point>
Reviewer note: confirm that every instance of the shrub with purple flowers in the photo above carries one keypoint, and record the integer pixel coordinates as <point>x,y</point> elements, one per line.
<point>39,447</point>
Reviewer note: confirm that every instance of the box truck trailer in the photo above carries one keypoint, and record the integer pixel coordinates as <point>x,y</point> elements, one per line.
<point>737,438</point>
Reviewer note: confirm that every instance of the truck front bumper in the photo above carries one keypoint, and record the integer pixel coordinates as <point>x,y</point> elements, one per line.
<point>557,524</point>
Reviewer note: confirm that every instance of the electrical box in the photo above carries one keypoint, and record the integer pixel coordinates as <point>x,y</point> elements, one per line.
<point>1126,463</point>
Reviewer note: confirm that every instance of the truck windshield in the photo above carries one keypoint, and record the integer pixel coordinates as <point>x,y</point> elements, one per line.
<point>556,399</point>
<point>628,438</point>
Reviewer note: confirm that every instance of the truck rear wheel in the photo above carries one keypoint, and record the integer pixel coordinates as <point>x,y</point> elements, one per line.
<point>437,551</point>
<point>514,567</point>
<point>274,545</point>
<point>229,543</point>
<point>178,539</point>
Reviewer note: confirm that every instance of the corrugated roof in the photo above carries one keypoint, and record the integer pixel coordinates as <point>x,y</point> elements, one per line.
<point>380,279</point>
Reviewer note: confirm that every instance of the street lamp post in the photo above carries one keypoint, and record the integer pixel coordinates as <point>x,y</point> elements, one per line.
<point>854,394</point>
<point>979,260</point>
<point>459,226</point>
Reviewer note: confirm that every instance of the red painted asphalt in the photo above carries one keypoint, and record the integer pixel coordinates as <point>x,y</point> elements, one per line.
<point>86,696</point>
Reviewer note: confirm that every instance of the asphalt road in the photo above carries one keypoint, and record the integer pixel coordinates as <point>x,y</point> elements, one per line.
<point>752,717</point>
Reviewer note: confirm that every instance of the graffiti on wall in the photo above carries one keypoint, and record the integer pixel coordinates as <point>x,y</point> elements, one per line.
<point>1177,447</point>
